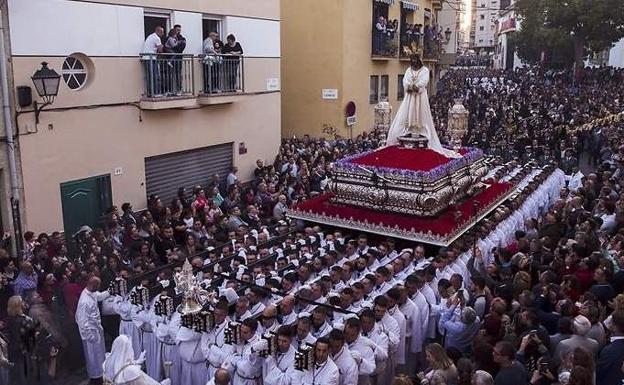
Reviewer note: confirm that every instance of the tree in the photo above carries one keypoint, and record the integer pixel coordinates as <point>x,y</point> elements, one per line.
<point>592,25</point>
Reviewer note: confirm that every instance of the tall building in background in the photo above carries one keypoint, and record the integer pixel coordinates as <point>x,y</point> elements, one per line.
<point>126,124</point>
<point>337,52</point>
<point>450,18</point>
<point>483,27</point>
<point>506,56</point>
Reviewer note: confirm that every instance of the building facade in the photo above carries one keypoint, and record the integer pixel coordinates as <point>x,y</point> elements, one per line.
<point>616,54</point>
<point>126,125</point>
<point>336,52</point>
<point>450,18</point>
<point>483,27</point>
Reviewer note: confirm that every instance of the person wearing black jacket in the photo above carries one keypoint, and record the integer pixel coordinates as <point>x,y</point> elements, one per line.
<point>611,358</point>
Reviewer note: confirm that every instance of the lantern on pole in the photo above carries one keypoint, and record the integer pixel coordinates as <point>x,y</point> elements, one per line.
<point>457,123</point>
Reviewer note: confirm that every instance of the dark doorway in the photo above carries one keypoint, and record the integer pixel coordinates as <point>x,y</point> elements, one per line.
<point>511,49</point>
<point>152,21</point>
<point>211,25</point>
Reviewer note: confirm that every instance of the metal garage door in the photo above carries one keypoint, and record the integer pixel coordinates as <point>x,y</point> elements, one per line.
<point>164,174</point>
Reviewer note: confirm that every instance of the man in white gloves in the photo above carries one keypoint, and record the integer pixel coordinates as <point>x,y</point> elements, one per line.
<point>90,328</point>
<point>244,364</point>
<point>374,331</point>
<point>390,327</point>
<point>365,348</point>
<point>213,343</point>
<point>278,368</point>
<point>345,360</point>
<point>323,372</point>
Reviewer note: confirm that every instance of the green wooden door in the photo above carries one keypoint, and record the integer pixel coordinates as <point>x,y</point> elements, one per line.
<point>84,201</point>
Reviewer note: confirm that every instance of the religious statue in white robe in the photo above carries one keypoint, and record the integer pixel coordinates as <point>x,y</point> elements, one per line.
<point>414,114</point>
<point>120,367</point>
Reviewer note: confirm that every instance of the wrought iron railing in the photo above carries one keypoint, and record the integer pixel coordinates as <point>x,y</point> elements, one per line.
<point>223,74</point>
<point>168,75</point>
<point>385,42</point>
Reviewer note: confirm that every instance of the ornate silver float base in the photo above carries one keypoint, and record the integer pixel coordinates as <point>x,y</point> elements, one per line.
<point>404,195</point>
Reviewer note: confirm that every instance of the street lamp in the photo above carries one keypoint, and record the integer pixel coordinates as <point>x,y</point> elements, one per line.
<point>46,83</point>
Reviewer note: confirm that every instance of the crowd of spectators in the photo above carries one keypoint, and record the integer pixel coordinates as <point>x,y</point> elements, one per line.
<point>473,60</point>
<point>541,304</point>
<point>527,112</point>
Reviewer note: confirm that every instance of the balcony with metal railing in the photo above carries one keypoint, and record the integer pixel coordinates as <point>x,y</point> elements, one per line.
<point>172,80</point>
<point>222,78</point>
<point>385,42</point>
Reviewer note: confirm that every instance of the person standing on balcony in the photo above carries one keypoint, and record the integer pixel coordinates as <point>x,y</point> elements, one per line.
<point>380,36</point>
<point>153,45</point>
<point>233,48</point>
<point>176,43</point>
<point>212,63</point>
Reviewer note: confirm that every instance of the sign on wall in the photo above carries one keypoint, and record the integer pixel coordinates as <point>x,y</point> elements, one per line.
<point>329,93</point>
<point>272,84</point>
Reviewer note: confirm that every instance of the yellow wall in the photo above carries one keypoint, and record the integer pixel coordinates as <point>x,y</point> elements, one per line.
<point>344,63</point>
<point>312,57</point>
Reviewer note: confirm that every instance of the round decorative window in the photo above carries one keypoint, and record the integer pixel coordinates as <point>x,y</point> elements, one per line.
<point>74,73</point>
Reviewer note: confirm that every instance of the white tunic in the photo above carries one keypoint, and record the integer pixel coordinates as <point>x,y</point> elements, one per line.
<point>324,374</point>
<point>126,311</point>
<point>149,342</point>
<point>91,331</point>
<point>380,339</point>
<point>347,367</point>
<point>279,368</point>
<point>214,348</point>
<point>367,367</point>
<point>244,365</point>
<point>168,357</point>
<point>421,321</point>
<point>193,366</point>
<point>401,321</point>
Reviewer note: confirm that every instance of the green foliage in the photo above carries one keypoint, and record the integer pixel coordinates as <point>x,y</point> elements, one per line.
<point>566,30</point>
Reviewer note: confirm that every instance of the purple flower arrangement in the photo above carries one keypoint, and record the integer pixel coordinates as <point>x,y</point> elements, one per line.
<point>471,154</point>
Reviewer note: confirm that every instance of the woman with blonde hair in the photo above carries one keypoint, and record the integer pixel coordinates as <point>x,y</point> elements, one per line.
<point>442,370</point>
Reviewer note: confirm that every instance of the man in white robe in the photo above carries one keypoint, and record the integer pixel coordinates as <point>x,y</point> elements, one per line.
<point>422,321</point>
<point>149,341</point>
<point>244,364</point>
<point>90,327</point>
<point>168,359</point>
<point>343,358</point>
<point>414,114</point>
<point>323,372</point>
<point>375,333</point>
<point>213,344</point>
<point>303,335</point>
<point>364,347</point>
<point>393,297</point>
<point>278,369</point>
<point>127,311</point>
<point>192,361</point>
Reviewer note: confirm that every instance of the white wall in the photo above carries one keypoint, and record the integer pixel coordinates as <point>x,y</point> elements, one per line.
<point>191,29</point>
<point>62,27</point>
<point>616,55</point>
<point>59,28</point>
<point>257,37</point>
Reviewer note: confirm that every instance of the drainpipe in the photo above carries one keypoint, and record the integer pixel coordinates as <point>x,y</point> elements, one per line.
<point>10,142</point>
